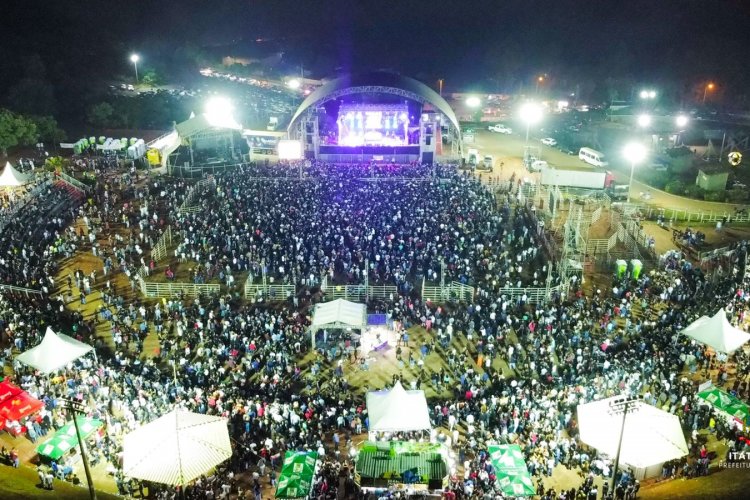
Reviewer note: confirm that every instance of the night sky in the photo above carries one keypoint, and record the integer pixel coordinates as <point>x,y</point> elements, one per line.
<point>468,43</point>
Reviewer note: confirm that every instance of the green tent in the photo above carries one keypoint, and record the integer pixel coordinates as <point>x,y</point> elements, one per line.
<point>726,403</point>
<point>513,477</point>
<point>65,438</point>
<point>516,484</point>
<point>297,472</point>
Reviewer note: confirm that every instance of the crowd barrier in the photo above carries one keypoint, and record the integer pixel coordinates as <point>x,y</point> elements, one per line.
<point>20,289</point>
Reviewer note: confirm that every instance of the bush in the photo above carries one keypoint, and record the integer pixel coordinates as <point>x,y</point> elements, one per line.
<point>715,196</point>
<point>675,187</point>
<point>654,178</point>
<point>694,191</point>
<point>737,195</point>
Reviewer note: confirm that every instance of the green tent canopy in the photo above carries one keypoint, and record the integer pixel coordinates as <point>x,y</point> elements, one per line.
<point>513,477</point>
<point>65,438</point>
<point>297,472</point>
<point>726,403</point>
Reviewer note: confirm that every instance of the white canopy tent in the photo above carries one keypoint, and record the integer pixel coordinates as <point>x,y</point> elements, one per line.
<point>398,410</point>
<point>176,448</point>
<point>54,352</point>
<point>338,313</point>
<point>651,436</point>
<point>717,332</point>
<point>12,177</point>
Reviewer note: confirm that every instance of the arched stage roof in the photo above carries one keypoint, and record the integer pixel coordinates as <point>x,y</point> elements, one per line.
<point>376,82</point>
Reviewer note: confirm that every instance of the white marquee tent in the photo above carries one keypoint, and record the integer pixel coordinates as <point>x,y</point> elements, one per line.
<point>338,313</point>
<point>651,436</point>
<point>176,448</point>
<point>398,410</point>
<point>54,352</point>
<point>717,332</point>
<point>12,177</point>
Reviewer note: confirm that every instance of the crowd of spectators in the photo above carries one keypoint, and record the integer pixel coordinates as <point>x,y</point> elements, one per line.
<point>511,371</point>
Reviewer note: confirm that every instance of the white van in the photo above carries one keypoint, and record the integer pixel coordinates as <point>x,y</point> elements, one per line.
<point>592,157</point>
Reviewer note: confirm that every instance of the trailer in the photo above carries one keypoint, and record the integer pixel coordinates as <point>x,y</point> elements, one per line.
<point>588,179</point>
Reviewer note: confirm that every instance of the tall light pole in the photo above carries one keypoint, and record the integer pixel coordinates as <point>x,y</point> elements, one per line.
<point>134,59</point>
<point>634,152</point>
<point>708,87</point>
<point>539,80</point>
<point>76,408</point>
<point>624,406</point>
<point>440,87</point>
<point>531,114</point>
<point>681,121</point>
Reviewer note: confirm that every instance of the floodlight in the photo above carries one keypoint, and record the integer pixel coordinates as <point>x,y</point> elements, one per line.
<point>531,113</point>
<point>293,84</point>
<point>634,152</point>
<point>134,58</point>
<point>681,121</point>
<point>644,120</point>
<point>473,101</point>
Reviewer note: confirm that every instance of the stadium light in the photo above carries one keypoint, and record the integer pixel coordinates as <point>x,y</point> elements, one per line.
<point>134,58</point>
<point>644,120</point>
<point>648,94</point>
<point>634,152</point>
<point>681,121</point>
<point>531,114</point>
<point>473,101</point>
<point>219,112</point>
<point>293,84</point>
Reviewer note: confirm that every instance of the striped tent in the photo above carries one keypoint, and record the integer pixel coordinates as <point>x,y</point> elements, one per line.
<point>176,448</point>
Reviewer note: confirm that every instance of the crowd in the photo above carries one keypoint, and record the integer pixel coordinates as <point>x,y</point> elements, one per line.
<point>218,355</point>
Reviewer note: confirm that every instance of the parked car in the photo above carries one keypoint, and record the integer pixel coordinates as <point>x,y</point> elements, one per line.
<point>549,141</point>
<point>537,165</point>
<point>500,128</point>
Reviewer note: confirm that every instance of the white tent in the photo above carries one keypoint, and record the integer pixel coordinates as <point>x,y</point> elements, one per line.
<point>398,410</point>
<point>717,332</point>
<point>176,448</point>
<point>54,352</point>
<point>12,177</point>
<point>338,313</point>
<point>651,436</point>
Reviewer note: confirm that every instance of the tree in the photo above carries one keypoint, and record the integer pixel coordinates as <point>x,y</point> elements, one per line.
<point>151,77</point>
<point>48,130</point>
<point>15,130</point>
<point>100,115</point>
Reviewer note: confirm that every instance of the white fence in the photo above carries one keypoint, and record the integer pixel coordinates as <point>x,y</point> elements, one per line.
<point>162,245</point>
<point>190,205</point>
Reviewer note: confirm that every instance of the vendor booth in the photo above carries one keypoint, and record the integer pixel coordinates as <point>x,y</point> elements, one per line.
<point>650,437</point>
<point>734,408</point>
<point>336,315</point>
<point>15,405</point>
<point>416,466</point>
<point>297,474</point>
<point>513,478</point>
<point>66,439</point>
<point>54,352</point>
<point>398,410</point>
<point>717,333</point>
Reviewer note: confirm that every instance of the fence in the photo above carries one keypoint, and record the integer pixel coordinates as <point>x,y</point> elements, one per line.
<point>454,290</point>
<point>19,289</point>
<point>672,214</point>
<point>162,244</point>
<point>269,292</point>
<point>189,204</point>
<point>533,295</point>
<point>175,289</point>
<point>360,293</point>
<point>74,182</point>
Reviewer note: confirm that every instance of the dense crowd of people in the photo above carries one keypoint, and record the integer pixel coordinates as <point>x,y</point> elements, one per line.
<point>510,371</point>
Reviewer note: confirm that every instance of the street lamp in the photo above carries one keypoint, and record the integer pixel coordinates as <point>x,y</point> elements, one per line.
<point>634,152</point>
<point>134,59</point>
<point>539,81</point>
<point>77,407</point>
<point>473,101</point>
<point>644,120</point>
<point>624,406</point>
<point>708,87</point>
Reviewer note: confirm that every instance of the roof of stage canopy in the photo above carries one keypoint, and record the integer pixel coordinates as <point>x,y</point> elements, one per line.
<point>376,82</point>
